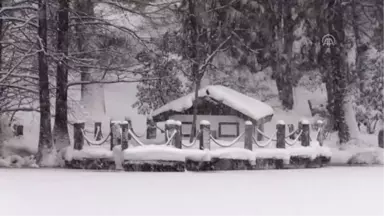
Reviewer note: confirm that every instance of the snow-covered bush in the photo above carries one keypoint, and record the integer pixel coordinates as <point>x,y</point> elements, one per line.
<point>311,80</point>
<point>16,161</point>
<point>369,118</point>
<point>367,158</point>
<point>14,152</point>
<point>369,103</point>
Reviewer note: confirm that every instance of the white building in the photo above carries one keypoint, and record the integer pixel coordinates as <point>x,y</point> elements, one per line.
<point>225,108</point>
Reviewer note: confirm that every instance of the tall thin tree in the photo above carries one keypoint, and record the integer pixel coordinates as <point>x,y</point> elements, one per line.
<point>61,135</point>
<point>45,148</point>
<point>194,56</point>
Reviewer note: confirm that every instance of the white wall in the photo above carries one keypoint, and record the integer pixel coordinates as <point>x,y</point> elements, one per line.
<point>214,120</point>
<point>118,100</point>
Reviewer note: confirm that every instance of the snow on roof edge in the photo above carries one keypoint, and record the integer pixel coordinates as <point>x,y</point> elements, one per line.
<point>249,106</point>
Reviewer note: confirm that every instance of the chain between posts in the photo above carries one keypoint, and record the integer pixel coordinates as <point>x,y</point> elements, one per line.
<point>194,140</point>
<point>94,142</point>
<point>233,142</point>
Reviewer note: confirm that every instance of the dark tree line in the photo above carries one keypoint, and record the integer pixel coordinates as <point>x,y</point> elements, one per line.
<point>257,34</point>
<point>47,47</point>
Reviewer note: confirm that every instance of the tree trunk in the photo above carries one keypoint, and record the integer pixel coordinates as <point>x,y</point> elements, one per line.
<point>339,72</point>
<point>46,148</point>
<point>358,72</point>
<point>359,48</point>
<point>324,60</point>
<point>83,34</point>
<point>284,74</point>
<point>195,67</point>
<point>288,28</point>
<point>330,86</point>
<point>195,104</point>
<point>61,136</point>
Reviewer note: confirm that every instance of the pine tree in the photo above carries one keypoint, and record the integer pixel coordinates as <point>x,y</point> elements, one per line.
<point>166,84</point>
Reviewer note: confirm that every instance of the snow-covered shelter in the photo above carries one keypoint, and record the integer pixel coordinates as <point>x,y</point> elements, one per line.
<point>225,108</point>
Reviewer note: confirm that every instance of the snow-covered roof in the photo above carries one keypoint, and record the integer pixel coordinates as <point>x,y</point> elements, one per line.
<point>244,104</point>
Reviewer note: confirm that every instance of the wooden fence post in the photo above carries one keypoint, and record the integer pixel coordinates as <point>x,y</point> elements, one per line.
<point>177,140</point>
<point>205,132</point>
<point>248,141</point>
<point>115,133</point>
<point>151,129</point>
<point>111,134</point>
<point>380,137</point>
<point>124,129</point>
<point>305,139</point>
<point>320,136</point>
<point>78,137</point>
<point>291,128</point>
<point>169,124</point>
<point>280,134</point>
<point>98,133</point>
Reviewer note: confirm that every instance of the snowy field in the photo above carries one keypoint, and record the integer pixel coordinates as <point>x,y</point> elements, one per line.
<point>332,190</point>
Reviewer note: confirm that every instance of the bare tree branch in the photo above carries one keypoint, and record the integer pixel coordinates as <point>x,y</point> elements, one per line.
<point>12,8</point>
<point>19,87</point>
<point>110,81</point>
<point>19,20</point>
<point>20,109</point>
<point>213,54</point>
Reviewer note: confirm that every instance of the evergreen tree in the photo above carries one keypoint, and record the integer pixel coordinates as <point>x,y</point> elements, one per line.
<point>164,81</point>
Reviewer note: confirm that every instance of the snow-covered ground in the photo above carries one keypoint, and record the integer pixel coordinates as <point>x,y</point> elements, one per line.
<point>336,191</point>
